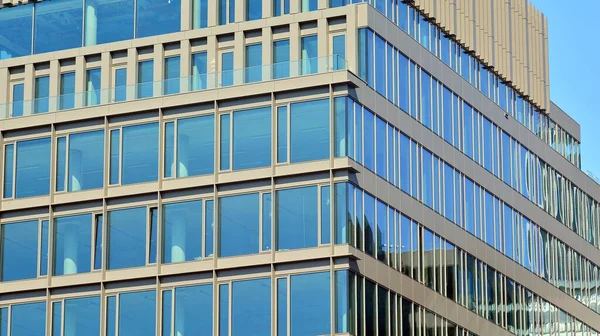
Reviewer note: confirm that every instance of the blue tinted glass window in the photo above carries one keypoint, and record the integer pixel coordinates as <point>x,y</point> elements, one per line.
<point>172,74</point>
<point>426,99</point>
<point>309,5</point>
<point>115,153</point>
<point>344,296</point>
<point>370,233</point>
<point>111,316</point>
<point>281,59</point>
<point>17,100</point>
<point>140,153</point>
<point>98,233</point>
<point>449,192</point>
<point>325,215</point>
<point>309,131</point>
<point>225,142</point>
<point>167,310</point>
<point>405,163</point>
<point>468,130</point>
<point>108,21</point>
<point>381,149</point>
<point>9,165</point>
<point>282,299</point>
<point>297,218</point>
<point>19,250</point>
<point>359,219</point>
<point>61,163</point>
<point>33,168</point>
<point>58,25</point>
<point>364,53</point>
<point>344,205</point>
<point>253,62</point>
<point>340,123</point>
<point>41,92</point>
<point>382,231</point>
<point>404,101</point>
<point>227,69</point>
<point>82,316</point>
<point>120,85</point>
<point>282,134</point>
<point>86,161</point>
<point>506,159</point>
<point>145,79</point>
<point>127,238</point>
<point>209,225</point>
<point>487,144</point>
<point>67,91</point>
<point>489,219</point>
<point>28,319</point>
<point>310,309</point>
<point>358,121</point>
<point>194,310</point>
<point>238,225</point>
<point>380,64</point>
<point>369,140</point>
<point>182,230</point>
<point>199,76</point>
<point>44,247</point>
<point>92,87</point>
<point>153,236</point>
<point>195,146</point>
<point>155,17</point>
<point>137,313</point>
<point>253,9</point>
<point>224,310</point>
<point>447,115</point>
<point>337,3</point>
<point>252,138</point>
<point>16,33</point>
<point>339,52</point>
<point>251,307</point>
<point>72,250</point>
<point>509,232</point>
<point>56,318</point>
<point>169,156</point>
<point>267,221</point>
<point>427,178</point>
<point>309,53</point>
<point>200,14</point>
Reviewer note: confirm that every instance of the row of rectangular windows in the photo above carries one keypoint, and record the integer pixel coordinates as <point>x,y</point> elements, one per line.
<point>453,119</point>
<point>148,86</point>
<point>423,255</point>
<point>434,39</point>
<point>415,170</point>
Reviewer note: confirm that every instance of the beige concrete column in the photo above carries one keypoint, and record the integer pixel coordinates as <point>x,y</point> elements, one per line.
<point>54,83</point>
<point>267,9</point>
<point>295,6</point>
<point>105,78</point>
<point>28,89</point>
<point>294,49</point>
<point>213,13</point>
<point>239,54</point>
<point>159,72</point>
<point>79,81</point>
<point>212,61</point>
<point>186,64</point>
<point>187,11</point>
<point>323,45</point>
<point>267,53</point>
<point>351,39</point>
<point>240,10</point>
<point>131,73</point>
<point>4,93</point>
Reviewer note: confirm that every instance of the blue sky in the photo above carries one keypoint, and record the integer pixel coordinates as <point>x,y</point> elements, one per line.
<point>574,72</point>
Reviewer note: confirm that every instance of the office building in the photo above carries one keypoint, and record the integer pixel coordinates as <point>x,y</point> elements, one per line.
<point>289,167</point>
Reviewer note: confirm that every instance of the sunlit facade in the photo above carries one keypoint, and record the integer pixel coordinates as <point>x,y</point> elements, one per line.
<point>290,168</point>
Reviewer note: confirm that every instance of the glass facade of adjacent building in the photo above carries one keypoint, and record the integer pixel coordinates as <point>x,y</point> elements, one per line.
<point>251,167</point>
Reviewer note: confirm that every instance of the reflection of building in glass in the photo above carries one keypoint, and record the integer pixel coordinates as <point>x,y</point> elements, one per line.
<point>291,168</point>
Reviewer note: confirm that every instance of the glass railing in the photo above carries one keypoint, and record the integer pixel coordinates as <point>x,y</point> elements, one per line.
<point>172,86</point>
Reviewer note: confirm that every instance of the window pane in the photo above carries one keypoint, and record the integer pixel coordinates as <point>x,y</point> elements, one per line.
<point>310,304</point>
<point>253,60</point>
<point>309,131</point>
<point>172,74</point>
<point>341,126</point>
<point>33,168</point>
<point>18,96</point>
<point>282,134</point>
<point>369,140</point>
<point>140,153</point>
<point>309,5</point>
<point>252,138</point>
<point>82,316</point>
<point>238,225</point>
<point>41,94</point>
<point>98,233</point>
<point>92,87</point>
<point>309,52</point>
<point>16,31</point>
<point>115,153</point>
<point>251,307</point>
<point>199,65</point>
<point>369,224</point>
<point>108,21</point>
<point>44,248</point>
<point>339,52</point>
<point>195,146</point>
<point>224,310</point>
<point>382,231</point>
<point>145,79</point>
<point>297,218</point>
<point>155,17</point>
<point>182,227</point>
<point>281,306</point>
<point>381,149</point>
<point>127,238</point>
<point>281,58</point>
<point>194,310</point>
<point>86,161</point>
<point>209,224</point>
<point>253,9</point>
<point>153,236</point>
<point>169,152</point>
<point>344,203</point>
<point>227,69</point>
<point>120,85</point>
<point>325,215</point>
<point>19,250</point>
<point>267,221</point>
<point>225,142</point>
<point>200,14</point>
<point>72,239</point>
<point>9,164</point>
<point>28,319</point>
<point>67,91</point>
<point>137,313</point>
<point>58,25</point>
<point>167,309</point>
<point>61,163</point>
<point>56,318</point>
